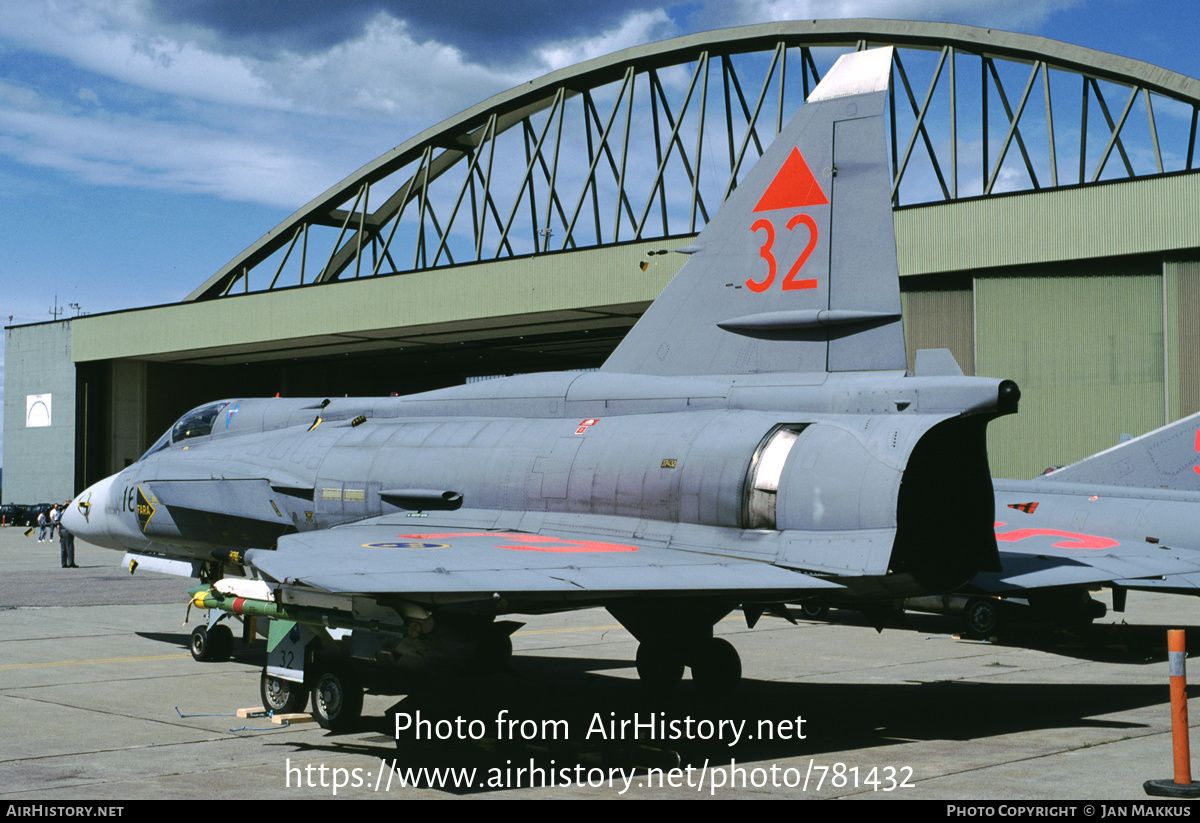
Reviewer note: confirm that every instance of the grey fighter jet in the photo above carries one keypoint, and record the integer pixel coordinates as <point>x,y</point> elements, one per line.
<point>1124,518</point>
<point>754,441</point>
<point>1129,511</point>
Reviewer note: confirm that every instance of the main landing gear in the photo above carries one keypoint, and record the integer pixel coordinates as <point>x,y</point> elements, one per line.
<point>313,671</point>
<point>681,637</point>
<point>281,696</point>
<point>337,699</point>
<point>715,664</point>
<point>981,616</point>
<point>336,694</point>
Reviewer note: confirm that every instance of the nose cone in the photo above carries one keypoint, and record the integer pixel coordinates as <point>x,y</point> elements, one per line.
<point>86,518</point>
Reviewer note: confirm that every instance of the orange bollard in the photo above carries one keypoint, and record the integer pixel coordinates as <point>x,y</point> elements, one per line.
<point>1182,785</point>
<point>1177,651</point>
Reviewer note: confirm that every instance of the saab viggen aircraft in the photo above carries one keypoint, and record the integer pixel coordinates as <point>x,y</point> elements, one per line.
<point>755,440</point>
<point>1125,518</point>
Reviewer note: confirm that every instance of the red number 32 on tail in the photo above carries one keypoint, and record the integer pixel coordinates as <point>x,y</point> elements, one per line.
<point>766,253</point>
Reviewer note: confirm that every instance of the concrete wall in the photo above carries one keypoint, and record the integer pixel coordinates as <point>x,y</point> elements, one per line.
<point>39,460</point>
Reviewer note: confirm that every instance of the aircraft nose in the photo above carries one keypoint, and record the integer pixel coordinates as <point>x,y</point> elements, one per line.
<point>85,517</point>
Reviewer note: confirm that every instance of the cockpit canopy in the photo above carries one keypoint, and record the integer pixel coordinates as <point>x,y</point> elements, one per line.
<point>196,423</point>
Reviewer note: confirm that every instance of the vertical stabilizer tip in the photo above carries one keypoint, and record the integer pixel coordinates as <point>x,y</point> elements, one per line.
<point>859,72</point>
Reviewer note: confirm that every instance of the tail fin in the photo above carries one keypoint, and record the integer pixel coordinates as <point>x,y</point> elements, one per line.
<point>1166,458</point>
<point>797,271</point>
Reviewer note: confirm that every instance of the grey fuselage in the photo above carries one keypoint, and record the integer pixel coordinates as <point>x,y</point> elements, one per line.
<point>1142,529</point>
<point>883,458</point>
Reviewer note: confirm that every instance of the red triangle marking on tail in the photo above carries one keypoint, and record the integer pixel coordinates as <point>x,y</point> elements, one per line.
<point>794,186</point>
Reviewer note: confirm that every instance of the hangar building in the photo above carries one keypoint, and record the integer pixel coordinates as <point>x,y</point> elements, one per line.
<point>1046,203</point>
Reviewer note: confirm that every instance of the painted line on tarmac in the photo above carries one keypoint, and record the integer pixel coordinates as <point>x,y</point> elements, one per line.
<point>91,662</point>
<point>566,631</point>
<point>730,618</point>
<point>101,660</point>
<point>188,656</point>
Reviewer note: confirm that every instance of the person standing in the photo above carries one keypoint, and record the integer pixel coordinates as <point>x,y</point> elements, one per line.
<point>66,542</point>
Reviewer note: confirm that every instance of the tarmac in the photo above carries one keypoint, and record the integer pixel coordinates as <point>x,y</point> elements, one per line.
<point>101,700</point>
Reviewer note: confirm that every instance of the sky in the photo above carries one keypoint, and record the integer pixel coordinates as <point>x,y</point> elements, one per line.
<point>145,143</point>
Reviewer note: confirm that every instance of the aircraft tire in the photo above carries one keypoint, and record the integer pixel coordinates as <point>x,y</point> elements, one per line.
<point>281,696</point>
<point>982,616</point>
<point>211,645</point>
<point>658,666</point>
<point>717,668</point>
<point>198,644</point>
<point>220,641</point>
<point>814,609</point>
<point>337,700</point>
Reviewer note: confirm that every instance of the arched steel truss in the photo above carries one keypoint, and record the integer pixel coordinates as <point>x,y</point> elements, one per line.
<point>646,143</point>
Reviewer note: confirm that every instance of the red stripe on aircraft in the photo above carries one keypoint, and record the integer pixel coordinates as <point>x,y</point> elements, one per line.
<point>1074,540</point>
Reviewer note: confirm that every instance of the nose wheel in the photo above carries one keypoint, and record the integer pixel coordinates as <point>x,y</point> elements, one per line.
<point>213,645</point>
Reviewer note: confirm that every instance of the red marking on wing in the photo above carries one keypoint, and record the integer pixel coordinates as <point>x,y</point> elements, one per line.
<point>1028,508</point>
<point>532,542</point>
<point>1196,469</point>
<point>793,187</point>
<point>1074,540</point>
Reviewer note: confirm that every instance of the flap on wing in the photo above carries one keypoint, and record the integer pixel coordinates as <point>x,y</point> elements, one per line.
<point>1030,571</point>
<point>460,565</point>
<point>1181,583</point>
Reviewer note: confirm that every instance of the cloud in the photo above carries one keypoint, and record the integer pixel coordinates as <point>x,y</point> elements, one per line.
<point>161,112</point>
<point>1006,14</point>
<point>381,69</point>
<point>114,40</point>
<point>489,34</point>
<point>106,148</point>
<point>262,28</point>
<point>384,71</point>
<point>637,29</point>
<point>171,100</point>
